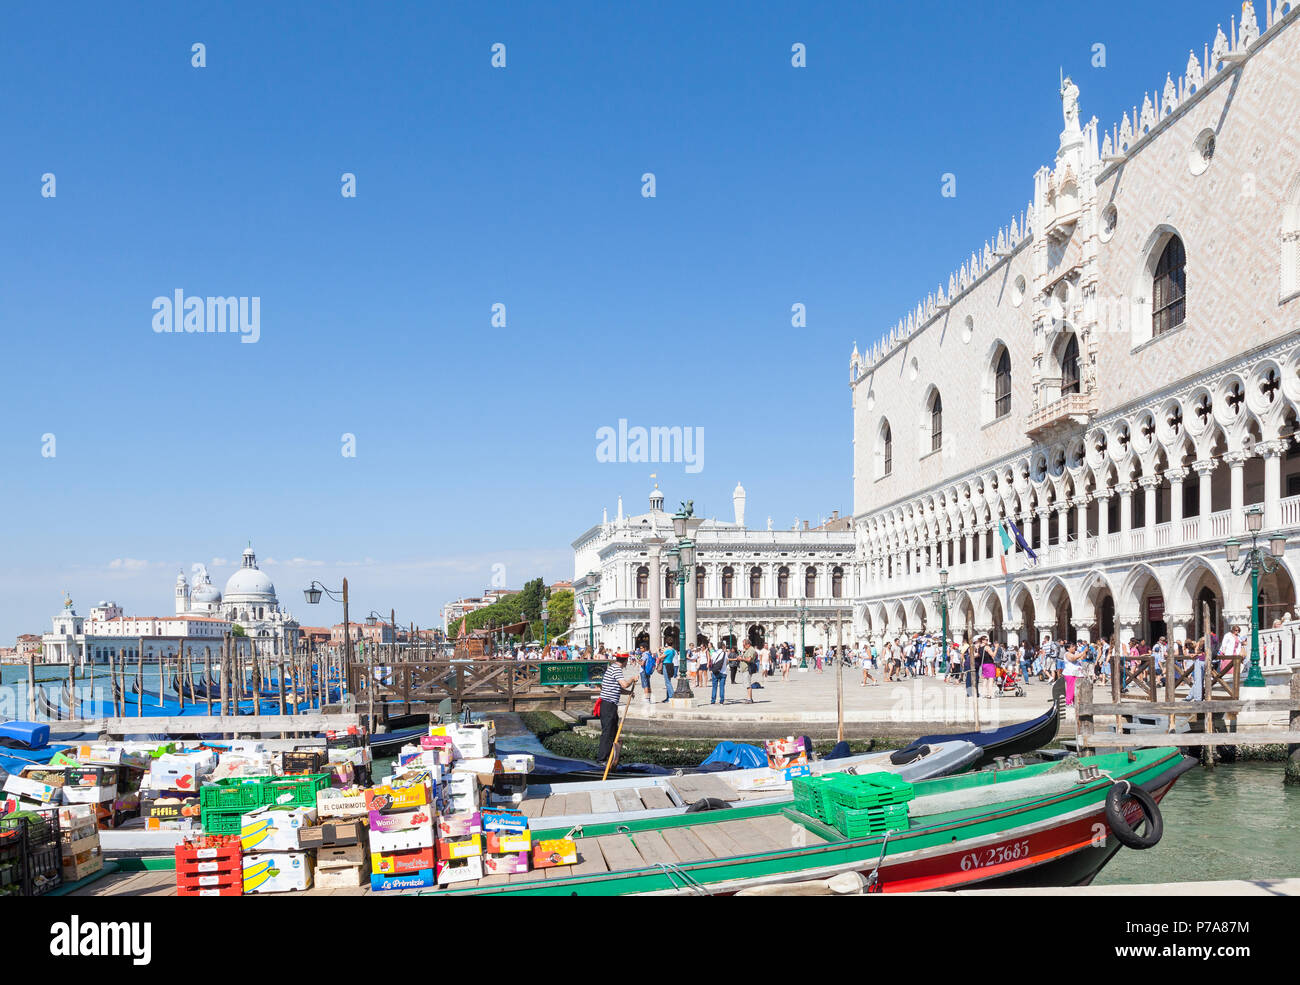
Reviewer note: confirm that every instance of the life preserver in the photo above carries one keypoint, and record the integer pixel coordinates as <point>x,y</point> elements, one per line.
<point>1125,832</point>
<point>708,804</point>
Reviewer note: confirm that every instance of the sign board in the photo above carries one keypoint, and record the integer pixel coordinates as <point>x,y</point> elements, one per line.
<point>571,672</point>
<point>1155,608</point>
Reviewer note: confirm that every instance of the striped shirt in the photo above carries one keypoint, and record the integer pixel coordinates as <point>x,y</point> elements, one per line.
<point>611,685</point>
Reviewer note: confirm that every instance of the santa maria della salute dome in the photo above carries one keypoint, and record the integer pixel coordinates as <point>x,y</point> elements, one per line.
<point>249,601</point>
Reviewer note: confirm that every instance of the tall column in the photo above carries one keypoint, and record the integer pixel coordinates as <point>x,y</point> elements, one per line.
<point>1083,632</point>
<point>1062,507</point>
<point>1125,513</point>
<point>653,545</point>
<point>1237,464</point>
<point>690,607</point>
<point>1081,523</point>
<point>1204,470</point>
<point>1176,477</point>
<point>1150,484</point>
<point>1043,539</point>
<point>1272,454</point>
<point>970,548</point>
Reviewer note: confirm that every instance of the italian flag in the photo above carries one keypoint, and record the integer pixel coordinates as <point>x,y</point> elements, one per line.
<point>1008,545</point>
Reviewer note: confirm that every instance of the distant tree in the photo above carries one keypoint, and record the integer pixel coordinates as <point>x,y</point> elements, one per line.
<point>237,630</point>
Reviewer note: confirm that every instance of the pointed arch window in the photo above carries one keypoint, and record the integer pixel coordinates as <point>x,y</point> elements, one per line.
<point>936,422</point>
<point>1169,288</point>
<point>1002,385</point>
<point>1070,366</point>
<point>887,439</point>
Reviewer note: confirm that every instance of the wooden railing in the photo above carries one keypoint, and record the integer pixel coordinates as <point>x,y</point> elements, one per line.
<point>489,684</point>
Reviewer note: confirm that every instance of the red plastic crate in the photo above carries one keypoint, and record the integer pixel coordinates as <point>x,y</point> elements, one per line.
<point>234,889</point>
<point>229,879</point>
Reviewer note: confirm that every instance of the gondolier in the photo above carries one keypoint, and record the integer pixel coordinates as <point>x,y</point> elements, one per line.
<point>618,681</point>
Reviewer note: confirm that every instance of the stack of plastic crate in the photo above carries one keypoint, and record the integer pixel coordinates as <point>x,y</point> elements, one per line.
<point>865,806</point>
<point>812,796</point>
<point>210,866</point>
<point>224,803</point>
<point>31,863</point>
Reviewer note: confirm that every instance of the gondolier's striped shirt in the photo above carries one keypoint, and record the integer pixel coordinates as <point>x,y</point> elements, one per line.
<point>611,685</point>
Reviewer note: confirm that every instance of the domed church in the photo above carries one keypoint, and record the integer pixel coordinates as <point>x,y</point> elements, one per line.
<point>249,601</point>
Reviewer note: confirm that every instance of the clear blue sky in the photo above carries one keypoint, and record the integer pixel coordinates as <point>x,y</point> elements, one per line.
<point>475,186</point>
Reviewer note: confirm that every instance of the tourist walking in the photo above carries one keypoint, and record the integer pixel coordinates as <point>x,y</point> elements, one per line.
<point>668,665</point>
<point>864,661</point>
<point>787,658</point>
<point>647,671</point>
<point>616,682</point>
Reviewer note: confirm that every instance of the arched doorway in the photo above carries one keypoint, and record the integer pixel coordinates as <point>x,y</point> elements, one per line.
<point>642,641</point>
<point>1057,602</point>
<point>1151,610</point>
<point>755,635</point>
<point>670,636</point>
<point>1276,597</point>
<point>1106,616</point>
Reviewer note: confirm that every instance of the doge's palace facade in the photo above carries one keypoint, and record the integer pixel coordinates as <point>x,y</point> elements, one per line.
<point>1117,373</point>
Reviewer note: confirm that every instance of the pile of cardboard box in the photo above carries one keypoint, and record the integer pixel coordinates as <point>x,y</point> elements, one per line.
<point>79,847</point>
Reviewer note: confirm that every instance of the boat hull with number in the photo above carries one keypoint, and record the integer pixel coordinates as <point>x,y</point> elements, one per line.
<point>1042,825</point>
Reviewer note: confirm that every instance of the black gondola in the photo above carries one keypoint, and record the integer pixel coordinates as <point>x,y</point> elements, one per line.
<point>1009,740</point>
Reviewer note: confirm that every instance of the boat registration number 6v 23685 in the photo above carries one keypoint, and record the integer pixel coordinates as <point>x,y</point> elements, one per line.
<point>1011,852</point>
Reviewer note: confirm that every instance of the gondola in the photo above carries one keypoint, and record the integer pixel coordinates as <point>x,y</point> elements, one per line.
<point>1009,740</point>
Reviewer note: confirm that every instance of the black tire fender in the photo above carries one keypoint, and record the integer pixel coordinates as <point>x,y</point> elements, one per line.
<point>707,804</point>
<point>1125,832</point>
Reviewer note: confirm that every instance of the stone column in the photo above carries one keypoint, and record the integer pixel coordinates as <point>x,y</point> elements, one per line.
<point>1176,477</point>
<point>1125,513</point>
<point>1062,506</point>
<point>1237,463</point>
<point>970,548</point>
<point>653,545</point>
<point>1178,625</point>
<point>1081,522</point>
<point>1204,470</point>
<point>1103,519</point>
<point>1272,454</point>
<point>1043,538</point>
<point>1083,632</point>
<point>1150,484</point>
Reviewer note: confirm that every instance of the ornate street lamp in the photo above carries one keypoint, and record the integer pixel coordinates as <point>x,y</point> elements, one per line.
<point>589,593</point>
<point>1254,559</point>
<point>312,594</point>
<point>801,607</point>
<point>546,614</point>
<point>685,552</point>
<point>941,599</point>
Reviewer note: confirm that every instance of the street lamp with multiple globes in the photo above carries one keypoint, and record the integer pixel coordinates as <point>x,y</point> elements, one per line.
<point>1255,559</point>
<point>546,614</point>
<point>941,600</point>
<point>589,594</point>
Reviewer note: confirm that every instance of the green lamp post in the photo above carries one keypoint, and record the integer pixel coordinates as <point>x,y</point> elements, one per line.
<point>941,599</point>
<point>589,593</point>
<point>1254,560</point>
<point>801,607</point>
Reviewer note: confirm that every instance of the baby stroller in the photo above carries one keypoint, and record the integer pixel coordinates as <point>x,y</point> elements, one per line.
<point>1008,681</point>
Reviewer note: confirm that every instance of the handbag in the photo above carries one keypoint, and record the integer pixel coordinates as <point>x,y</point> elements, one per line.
<point>595,710</point>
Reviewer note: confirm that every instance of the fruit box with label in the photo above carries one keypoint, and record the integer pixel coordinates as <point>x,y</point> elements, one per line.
<point>90,795</point>
<point>340,803</point>
<point>518,762</point>
<point>169,807</point>
<point>398,820</point>
<point>21,786</point>
<point>342,856</point>
<point>426,759</point>
<point>460,869</point>
<point>504,821</point>
<point>459,825</point>
<point>559,851</point>
<point>467,847</point>
<point>424,879</point>
<point>420,836</point>
<point>499,842</point>
<point>472,741</point>
<point>183,772</point>
<point>504,864</point>
<point>402,863</point>
<point>90,776</point>
<point>276,872</point>
<point>340,833</point>
<point>274,829</point>
<point>396,797</point>
<point>785,752</point>
<point>483,766</point>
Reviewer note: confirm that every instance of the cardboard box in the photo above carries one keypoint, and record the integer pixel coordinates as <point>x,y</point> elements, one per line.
<point>343,877</point>
<point>505,864</point>
<point>472,741</point>
<point>399,797</point>
<point>276,872</point>
<point>74,870</point>
<point>402,863</point>
<point>90,795</point>
<point>181,771</point>
<point>424,879</point>
<point>342,857</point>
<point>43,793</point>
<point>483,766</point>
<point>503,820</point>
<point>172,824</point>
<point>274,829</point>
<point>460,870</point>
<point>559,851</point>
<point>90,776</point>
<point>459,825</point>
<point>502,842</point>
<point>169,808</point>
<point>421,836</point>
<point>336,833</point>
<point>782,753</point>
<point>518,762</point>
<point>467,847</point>
<point>397,820</point>
<point>340,803</point>
<point>441,747</point>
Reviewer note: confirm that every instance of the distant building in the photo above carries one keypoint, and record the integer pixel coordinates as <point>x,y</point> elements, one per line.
<point>463,607</point>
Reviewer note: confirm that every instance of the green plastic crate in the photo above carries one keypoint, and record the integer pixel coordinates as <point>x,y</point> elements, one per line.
<point>872,790</point>
<point>222,822</point>
<point>812,797</point>
<point>871,821</point>
<point>294,791</point>
<point>235,793</point>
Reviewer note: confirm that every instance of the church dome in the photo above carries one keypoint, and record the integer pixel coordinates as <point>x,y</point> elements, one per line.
<point>209,593</point>
<point>249,582</point>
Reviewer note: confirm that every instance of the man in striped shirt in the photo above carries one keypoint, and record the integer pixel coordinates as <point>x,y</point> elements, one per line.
<point>619,679</point>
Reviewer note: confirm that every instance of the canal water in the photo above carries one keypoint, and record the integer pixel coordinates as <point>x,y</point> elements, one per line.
<point>1235,822</point>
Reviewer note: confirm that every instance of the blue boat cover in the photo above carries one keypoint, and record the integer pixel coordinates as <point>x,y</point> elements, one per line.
<point>17,760</point>
<point>737,755</point>
<point>32,734</point>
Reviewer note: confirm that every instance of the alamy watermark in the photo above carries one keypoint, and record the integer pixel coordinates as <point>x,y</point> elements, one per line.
<point>197,315</point>
<point>682,445</point>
